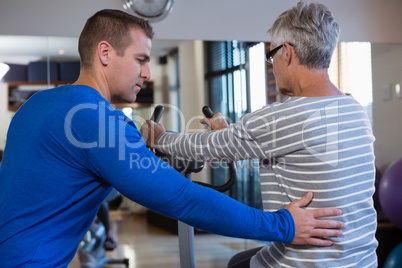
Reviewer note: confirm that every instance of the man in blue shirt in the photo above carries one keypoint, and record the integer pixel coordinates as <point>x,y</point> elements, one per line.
<point>67,148</point>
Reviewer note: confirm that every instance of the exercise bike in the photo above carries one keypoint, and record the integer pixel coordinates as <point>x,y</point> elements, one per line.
<point>91,251</point>
<point>186,168</point>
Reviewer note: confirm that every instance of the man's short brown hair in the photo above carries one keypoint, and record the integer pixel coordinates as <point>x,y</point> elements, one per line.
<point>112,26</point>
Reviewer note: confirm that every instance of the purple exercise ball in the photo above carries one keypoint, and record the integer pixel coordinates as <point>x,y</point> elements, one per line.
<point>390,193</point>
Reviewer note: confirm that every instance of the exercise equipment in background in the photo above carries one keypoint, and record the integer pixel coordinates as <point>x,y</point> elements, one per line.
<point>394,259</point>
<point>186,168</point>
<point>390,197</point>
<point>390,193</point>
<point>91,252</point>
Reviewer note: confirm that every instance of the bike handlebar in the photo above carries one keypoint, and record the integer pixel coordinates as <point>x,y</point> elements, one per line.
<point>180,165</point>
<point>207,111</point>
<point>157,114</point>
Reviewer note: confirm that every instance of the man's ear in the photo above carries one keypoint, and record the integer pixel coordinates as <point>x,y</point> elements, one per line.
<point>104,52</point>
<point>288,53</point>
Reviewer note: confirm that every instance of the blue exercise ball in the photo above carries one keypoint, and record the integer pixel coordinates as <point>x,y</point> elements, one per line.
<point>390,193</point>
<point>394,259</point>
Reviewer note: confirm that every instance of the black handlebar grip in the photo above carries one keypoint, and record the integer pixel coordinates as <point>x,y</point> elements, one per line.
<point>156,116</point>
<point>207,112</point>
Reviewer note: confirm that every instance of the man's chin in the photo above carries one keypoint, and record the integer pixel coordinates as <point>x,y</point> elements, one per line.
<point>124,100</point>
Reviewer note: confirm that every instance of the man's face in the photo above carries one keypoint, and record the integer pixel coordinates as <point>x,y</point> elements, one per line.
<point>127,73</point>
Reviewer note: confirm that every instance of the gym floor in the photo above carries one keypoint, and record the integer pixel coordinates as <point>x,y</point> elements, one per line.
<point>147,246</point>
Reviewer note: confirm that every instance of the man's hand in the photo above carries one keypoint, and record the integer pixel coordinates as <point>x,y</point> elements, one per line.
<point>150,131</point>
<point>309,230</point>
<point>217,122</point>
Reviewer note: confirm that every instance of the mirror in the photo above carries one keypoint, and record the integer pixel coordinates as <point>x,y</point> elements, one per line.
<point>385,80</point>
<point>19,52</point>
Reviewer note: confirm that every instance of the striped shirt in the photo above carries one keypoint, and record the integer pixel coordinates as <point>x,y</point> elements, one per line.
<point>320,144</point>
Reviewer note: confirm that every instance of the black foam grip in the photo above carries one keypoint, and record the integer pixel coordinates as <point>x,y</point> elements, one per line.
<point>156,116</point>
<point>207,112</point>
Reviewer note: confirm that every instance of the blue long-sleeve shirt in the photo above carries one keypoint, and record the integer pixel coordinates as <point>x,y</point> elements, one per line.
<point>66,147</point>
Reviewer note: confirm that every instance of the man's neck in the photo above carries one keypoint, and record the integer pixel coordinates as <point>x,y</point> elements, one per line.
<point>313,83</point>
<point>98,83</point>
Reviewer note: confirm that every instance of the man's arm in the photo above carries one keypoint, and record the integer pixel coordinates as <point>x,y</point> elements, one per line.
<point>160,188</point>
<point>230,144</point>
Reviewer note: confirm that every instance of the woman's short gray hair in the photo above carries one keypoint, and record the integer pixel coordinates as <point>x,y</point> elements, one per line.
<point>311,29</point>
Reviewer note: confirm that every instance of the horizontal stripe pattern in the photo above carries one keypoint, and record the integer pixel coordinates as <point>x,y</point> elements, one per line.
<point>324,145</point>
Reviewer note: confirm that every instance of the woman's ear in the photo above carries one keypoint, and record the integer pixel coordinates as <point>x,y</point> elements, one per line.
<point>104,52</point>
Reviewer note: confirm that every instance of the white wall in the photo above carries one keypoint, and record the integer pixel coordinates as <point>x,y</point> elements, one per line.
<point>360,20</point>
<point>387,108</point>
<point>192,88</point>
<point>192,79</point>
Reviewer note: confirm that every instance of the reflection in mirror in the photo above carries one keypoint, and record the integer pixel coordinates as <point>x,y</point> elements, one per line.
<point>32,63</point>
<point>36,63</point>
<point>350,69</point>
<point>4,68</point>
<point>23,49</point>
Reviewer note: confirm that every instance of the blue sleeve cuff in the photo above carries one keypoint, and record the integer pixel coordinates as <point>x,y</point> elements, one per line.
<point>289,224</point>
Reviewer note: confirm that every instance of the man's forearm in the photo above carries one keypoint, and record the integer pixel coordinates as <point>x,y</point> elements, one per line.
<point>212,146</point>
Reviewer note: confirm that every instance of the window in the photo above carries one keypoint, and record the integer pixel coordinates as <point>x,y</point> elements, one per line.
<point>228,79</point>
<point>350,71</point>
